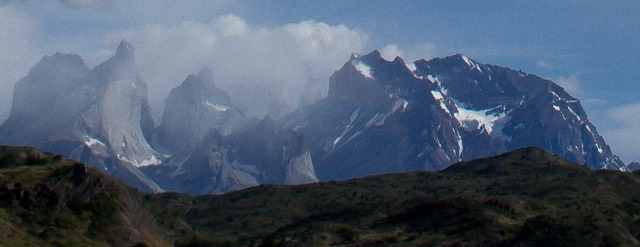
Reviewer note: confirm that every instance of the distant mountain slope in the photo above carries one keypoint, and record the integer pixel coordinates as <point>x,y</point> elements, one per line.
<point>388,116</point>
<point>261,153</point>
<point>525,197</point>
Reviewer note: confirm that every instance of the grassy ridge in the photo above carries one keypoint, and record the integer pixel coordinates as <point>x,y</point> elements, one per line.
<point>526,197</point>
<point>47,201</point>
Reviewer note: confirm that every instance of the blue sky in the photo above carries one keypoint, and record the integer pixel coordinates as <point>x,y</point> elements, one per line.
<point>589,47</point>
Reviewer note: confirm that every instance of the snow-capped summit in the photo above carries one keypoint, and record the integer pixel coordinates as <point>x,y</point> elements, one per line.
<point>125,51</point>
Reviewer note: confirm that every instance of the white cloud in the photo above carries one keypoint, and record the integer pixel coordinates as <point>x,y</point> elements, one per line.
<point>570,84</point>
<point>543,65</point>
<point>16,51</point>
<point>251,63</point>
<point>230,25</point>
<point>391,51</point>
<point>625,135</point>
<point>424,50</point>
<point>166,54</point>
<point>409,54</point>
<point>79,4</point>
<point>594,101</point>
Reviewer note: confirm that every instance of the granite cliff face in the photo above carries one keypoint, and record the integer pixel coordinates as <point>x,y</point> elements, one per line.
<point>261,153</point>
<point>100,116</point>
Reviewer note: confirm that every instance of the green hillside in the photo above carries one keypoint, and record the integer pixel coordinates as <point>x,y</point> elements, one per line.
<point>526,197</point>
<point>47,201</point>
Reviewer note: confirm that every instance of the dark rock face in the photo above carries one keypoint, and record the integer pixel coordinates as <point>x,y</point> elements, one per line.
<point>262,153</point>
<point>385,116</point>
<point>530,111</point>
<point>99,116</point>
<point>634,166</point>
<point>191,110</point>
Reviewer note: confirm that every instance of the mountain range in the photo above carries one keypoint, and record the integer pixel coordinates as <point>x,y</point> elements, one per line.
<point>378,117</point>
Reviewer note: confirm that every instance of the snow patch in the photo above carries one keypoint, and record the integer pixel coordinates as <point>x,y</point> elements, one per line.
<point>471,64</point>
<point>414,70</point>
<point>574,113</point>
<point>145,162</point>
<point>467,61</point>
<point>374,119</point>
<point>90,141</point>
<point>481,119</point>
<point>151,161</point>
<point>405,103</point>
<point>411,67</point>
<point>437,94</point>
<point>364,69</point>
<point>432,79</point>
<point>352,118</point>
<point>555,95</point>
<point>460,145</point>
<point>216,107</point>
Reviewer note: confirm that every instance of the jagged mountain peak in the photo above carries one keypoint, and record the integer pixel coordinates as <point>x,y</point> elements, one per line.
<point>200,83</point>
<point>60,56</point>
<point>125,50</point>
<point>205,74</point>
<point>633,166</point>
<point>374,67</point>
<point>121,66</point>
<point>191,110</point>
<point>375,54</point>
<point>58,61</point>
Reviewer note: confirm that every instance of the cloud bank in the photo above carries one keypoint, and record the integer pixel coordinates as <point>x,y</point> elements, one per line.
<point>17,53</point>
<point>80,4</point>
<point>256,65</point>
<point>570,84</point>
<point>625,135</point>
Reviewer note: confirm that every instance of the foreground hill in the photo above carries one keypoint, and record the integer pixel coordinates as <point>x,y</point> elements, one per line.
<point>524,197</point>
<point>45,200</point>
